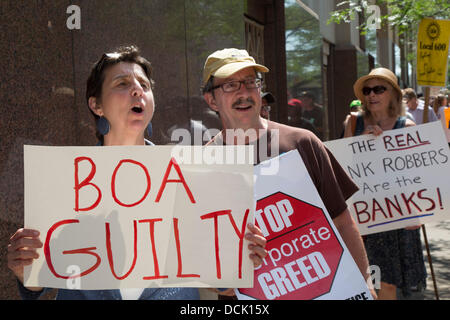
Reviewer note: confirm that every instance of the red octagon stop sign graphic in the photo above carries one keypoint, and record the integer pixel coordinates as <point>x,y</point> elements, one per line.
<point>304,252</point>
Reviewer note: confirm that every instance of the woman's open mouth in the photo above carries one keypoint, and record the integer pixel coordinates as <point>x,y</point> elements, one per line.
<point>137,109</point>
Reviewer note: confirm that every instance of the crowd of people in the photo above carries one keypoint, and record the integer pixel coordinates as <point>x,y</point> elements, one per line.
<point>120,98</point>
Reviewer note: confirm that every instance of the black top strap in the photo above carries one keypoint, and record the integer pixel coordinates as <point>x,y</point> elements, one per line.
<point>400,123</point>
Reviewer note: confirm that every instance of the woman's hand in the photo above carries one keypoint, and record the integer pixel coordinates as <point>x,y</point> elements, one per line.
<point>257,245</point>
<point>373,129</point>
<point>22,250</point>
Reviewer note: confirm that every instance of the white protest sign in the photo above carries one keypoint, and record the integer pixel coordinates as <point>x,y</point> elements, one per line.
<point>138,216</point>
<point>403,176</point>
<point>307,258</point>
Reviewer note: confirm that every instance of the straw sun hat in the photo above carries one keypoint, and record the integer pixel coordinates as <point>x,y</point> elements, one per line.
<point>379,73</point>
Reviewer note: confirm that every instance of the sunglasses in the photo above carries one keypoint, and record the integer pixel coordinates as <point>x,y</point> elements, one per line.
<point>377,90</point>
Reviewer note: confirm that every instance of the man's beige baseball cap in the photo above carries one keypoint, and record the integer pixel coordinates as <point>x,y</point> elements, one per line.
<point>223,63</point>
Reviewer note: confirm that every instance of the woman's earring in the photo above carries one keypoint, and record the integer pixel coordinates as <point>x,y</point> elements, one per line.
<point>149,129</point>
<point>103,126</point>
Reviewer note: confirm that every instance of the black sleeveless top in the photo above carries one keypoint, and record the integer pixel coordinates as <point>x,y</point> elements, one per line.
<point>400,123</point>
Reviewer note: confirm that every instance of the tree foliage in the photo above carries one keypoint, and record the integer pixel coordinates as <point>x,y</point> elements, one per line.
<point>404,15</point>
<point>303,45</point>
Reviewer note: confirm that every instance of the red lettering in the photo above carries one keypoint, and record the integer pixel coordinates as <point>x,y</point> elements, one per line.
<point>360,211</point>
<point>397,206</point>
<point>180,263</point>
<point>410,139</point>
<point>48,257</point>
<point>408,200</point>
<point>399,140</point>
<point>387,140</point>
<point>174,163</point>
<point>439,198</point>
<point>85,182</point>
<point>241,237</point>
<point>377,207</point>
<point>419,195</point>
<point>113,183</point>
<point>420,140</point>
<point>216,236</point>
<point>110,257</point>
<point>85,251</point>
<point>155,258</point>
<point>240,234</point>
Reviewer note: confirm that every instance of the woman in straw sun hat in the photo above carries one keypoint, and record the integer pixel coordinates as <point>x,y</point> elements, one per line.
<point>398,253</point>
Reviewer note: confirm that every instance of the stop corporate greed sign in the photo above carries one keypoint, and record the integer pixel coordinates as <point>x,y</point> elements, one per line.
<point>403,176</point>
<point>307,258</point>
<point>136,216</point>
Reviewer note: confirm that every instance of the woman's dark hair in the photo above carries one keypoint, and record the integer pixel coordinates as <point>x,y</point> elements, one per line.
<point>122,54</point>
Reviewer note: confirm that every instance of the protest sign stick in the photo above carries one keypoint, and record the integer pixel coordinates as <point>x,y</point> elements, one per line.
<point>430,262</point>
<point>426,103</point>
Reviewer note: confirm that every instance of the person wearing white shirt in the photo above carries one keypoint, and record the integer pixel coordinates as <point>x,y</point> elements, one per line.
<point>416,107</point>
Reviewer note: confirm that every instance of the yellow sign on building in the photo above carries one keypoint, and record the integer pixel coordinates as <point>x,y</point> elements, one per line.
<point>432,52</point>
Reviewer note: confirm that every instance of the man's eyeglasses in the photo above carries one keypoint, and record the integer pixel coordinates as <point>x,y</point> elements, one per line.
<point>236,85</point>
<point>377,90</point>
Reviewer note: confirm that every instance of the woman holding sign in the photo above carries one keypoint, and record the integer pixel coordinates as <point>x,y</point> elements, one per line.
<point>398,253</point>
<point>120,97</point>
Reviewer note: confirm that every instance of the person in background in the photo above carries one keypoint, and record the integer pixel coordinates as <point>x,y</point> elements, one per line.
<point>355,106</point>
<point>312,112</point>
<point>416,107</point>
<point>439,105</point>
<point>294,102</point>
<point>295,118</point>
<point>398,253</point>
<point>120,97</point>
<point>267,99</point>
<point>294,108</point>
<point>355,109</point>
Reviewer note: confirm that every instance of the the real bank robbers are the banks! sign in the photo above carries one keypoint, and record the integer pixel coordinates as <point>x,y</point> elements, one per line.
<point>403,177</point>
<point>307,258</point>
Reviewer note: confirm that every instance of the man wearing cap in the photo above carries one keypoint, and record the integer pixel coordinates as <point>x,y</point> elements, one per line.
<point>232,86</point>
<point>355,106</point>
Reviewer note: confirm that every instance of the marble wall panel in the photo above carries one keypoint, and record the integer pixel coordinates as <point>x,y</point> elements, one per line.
<point>36,102</point>
<point>156,27</point>
<point>44,67</point>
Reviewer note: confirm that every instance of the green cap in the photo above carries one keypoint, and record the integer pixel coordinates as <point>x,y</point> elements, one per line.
<point>355,103</point>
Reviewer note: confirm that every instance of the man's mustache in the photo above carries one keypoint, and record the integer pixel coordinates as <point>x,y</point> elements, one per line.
<point>240,101</point>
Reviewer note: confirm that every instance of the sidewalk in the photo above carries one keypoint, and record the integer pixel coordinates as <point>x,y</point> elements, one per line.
<point>438,235</point>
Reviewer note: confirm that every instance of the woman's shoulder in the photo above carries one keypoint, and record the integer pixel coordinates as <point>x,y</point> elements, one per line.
<point>353,123</point>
